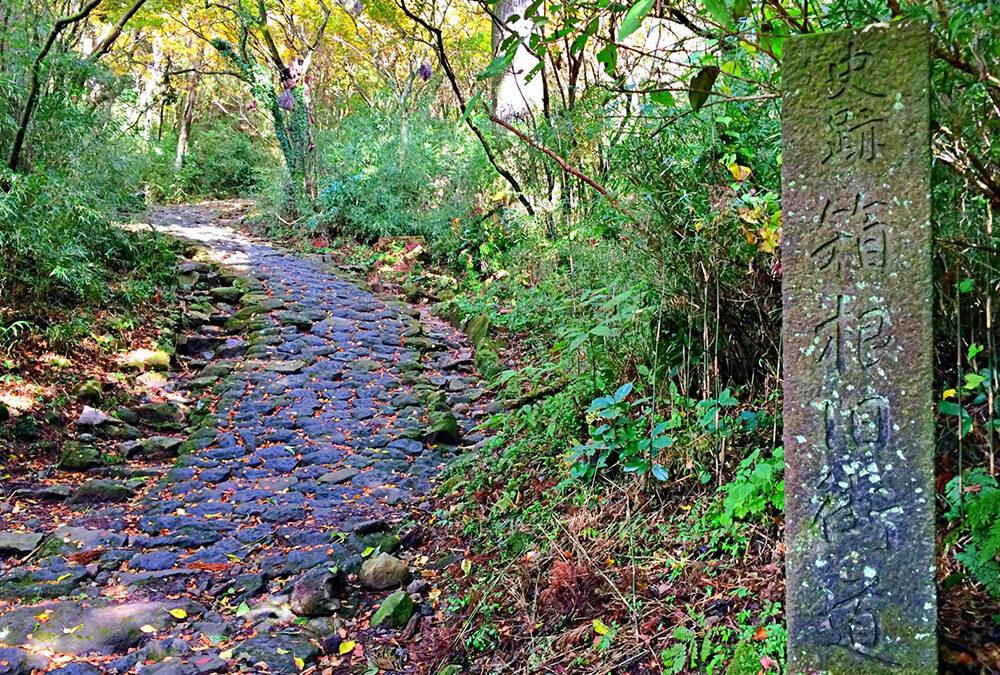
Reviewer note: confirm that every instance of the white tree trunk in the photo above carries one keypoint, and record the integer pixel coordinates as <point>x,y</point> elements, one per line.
<point>515,96</point>
<point>149,90</point>
<point>186,121</point>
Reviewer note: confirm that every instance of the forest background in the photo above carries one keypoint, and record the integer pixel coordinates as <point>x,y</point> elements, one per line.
<point>591,190</point>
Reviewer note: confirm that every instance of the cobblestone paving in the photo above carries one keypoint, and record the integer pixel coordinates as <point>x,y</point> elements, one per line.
<point>316,420</point>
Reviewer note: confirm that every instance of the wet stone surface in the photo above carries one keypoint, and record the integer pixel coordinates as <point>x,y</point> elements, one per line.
<point>298,440</point>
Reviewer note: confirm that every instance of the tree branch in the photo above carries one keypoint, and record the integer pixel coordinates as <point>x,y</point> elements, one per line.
<point>116,31</point>
<point>446,65</point>
<point>36,66</point>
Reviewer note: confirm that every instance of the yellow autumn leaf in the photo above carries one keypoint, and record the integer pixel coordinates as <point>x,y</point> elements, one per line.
<point>281,651</point>
<point>70,631</point>
<point>147,629</point>
<point>600,628</point>
<point>948,393</point>
<point>43,617</point>
<point>63,577</point>
<point>299,663</point>
<point>177,613</point>
<point>226,655</point>
<point>466,566</point>
<point>740,173</point>
<point>346,647</point>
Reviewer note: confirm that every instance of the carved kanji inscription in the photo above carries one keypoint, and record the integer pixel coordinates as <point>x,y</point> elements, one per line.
<point>857,298</point>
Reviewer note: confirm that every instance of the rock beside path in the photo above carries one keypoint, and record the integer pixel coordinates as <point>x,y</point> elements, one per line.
<point>384,572</point>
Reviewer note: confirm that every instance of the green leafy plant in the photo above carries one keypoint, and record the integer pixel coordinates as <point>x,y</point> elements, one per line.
<point>974,509</point>
<point>757,489</point>
<point>620,438</point>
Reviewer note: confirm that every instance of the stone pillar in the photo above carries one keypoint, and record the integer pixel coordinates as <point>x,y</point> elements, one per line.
<point>857,298</point>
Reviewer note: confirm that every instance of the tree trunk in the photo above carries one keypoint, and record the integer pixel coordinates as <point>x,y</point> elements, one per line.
<point>514,96</point>
<point>148,96</point>
<point>185,131</point>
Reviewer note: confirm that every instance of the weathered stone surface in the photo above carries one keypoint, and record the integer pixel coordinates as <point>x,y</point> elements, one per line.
<point>89,390</point>
<point>146,359</point>
<point>316,592</point>
<point>394,611</point>
<point>384,572</point>
<point>155,413</point>
<point>93,630</point>
<point>15,661</point>
<point>857,289</point>
<point>101,490</point>
<point>19,542</point>
<point>78,457</point>
<point>92,417</point>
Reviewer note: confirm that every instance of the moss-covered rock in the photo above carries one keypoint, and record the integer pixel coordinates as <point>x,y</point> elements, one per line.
<point>478,328</point>
<point>79,457</point>
<point>394,611</point>
<point>146,359</point>
<point>100,490</point>
<point>91,390</point>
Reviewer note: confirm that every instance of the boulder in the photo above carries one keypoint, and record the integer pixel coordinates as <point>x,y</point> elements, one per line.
<point>442,427</point>
<point>226,293</point>
<point>19,542</point>
<point>188,280</point>
<point>315,593</point>
<point>477,328</point>
<point>91,390</point>
<point>158,413</point>
<point>92,417</point>
<point>394,611</point>
<point>146,359</point>
<point>101,490</point>
<point>14,661</point>
<point>106,629</point>
<point>79,457</point>
<point>384,572</point>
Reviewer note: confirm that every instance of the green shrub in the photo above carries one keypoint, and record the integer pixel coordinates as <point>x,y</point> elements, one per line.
<point>221,162</point>
<point>974,508</point>
<point>61,248</point>
<point>377,184</point>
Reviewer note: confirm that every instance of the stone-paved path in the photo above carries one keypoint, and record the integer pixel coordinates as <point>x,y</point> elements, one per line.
<point>332,412</point>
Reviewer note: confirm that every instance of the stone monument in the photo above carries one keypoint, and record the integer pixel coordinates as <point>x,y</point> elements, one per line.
<point>857,299</point>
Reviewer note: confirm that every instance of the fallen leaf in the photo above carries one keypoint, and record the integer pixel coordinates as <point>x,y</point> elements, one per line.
<point>70,631</point>
<point>760,634</point>
<point>740,173</point>
<point>600,628</point>
<point>299,663</point>
<point>147,629</point>
<point>43,617</point>
<point>346,647</point>
<point>177,613</point>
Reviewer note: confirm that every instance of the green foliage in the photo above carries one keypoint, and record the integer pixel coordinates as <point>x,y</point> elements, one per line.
<point>58,238</point>
<point>974,508</point>
<point>755,490</point>
<point>620,437</point>
<point>708,648</point>
<point>220,162</point>
<point>380,180</point>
